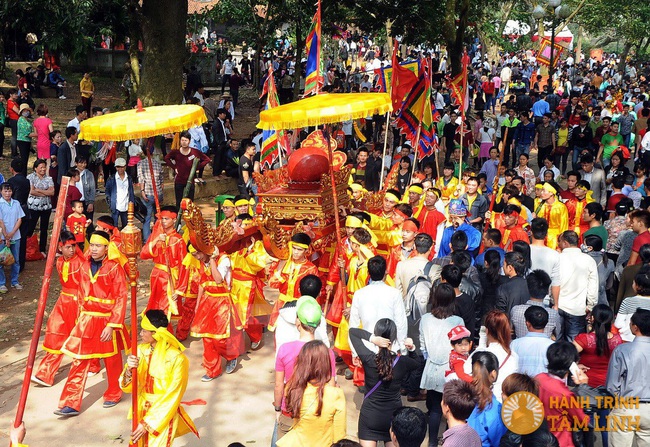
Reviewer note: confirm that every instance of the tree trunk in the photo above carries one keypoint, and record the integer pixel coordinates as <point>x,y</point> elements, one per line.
<point>3,64</point>
<point>257,75</point>
<point>455,33</point>
<point>300,46</point>
<point>164,24</point>
<point>623,55</point>
<point>578,57</point>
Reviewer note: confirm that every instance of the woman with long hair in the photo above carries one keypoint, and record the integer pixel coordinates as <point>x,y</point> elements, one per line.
<point>385,371</point>
<point>491,278</point>
<point>486,417</point>
<point>318,408</point>
<point>595,348</point>
<point>435,346</point>
<point>496,339</point>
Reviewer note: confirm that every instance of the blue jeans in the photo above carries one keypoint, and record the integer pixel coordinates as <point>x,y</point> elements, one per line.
<point>520,149</point>
<point>576,157</point>
<point>150,203</point>
<point>572,325</point>
<point>15,267</point>
<point>121,215</point>
<point>626,139</point>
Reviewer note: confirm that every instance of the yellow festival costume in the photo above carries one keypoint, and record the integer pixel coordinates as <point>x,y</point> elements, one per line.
<point>557,217</point>
<point>447,189</point>
<point>162,381</point>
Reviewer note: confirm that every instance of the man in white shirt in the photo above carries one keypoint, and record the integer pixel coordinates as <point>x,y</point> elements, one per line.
<point>578,285</point>
<point>76,121</point>
<point>227,72</point>
<point>543,257</point>
<point>119,192</point>
<point>376,301</point>
<point>410,268</point>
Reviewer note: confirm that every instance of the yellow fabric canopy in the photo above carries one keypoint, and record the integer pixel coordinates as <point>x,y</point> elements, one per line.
<point>143,123</point>
<point>325,109</point>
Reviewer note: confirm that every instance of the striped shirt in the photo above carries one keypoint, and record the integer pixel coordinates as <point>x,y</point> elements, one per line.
<point>144,177</point>
<point>628,307</point>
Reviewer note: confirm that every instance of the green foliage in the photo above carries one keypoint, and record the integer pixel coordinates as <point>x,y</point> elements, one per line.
<point>69,27</point>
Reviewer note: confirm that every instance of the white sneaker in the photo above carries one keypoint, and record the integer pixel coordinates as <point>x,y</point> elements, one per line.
<point>3,289</point>
<point>17,286</point>
<point>62,97</point>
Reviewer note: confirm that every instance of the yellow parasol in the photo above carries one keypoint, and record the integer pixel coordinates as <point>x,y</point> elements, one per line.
<point>325,109</point>
<point>142,123</point>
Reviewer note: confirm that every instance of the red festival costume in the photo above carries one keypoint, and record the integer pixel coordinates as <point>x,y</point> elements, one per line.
<point>63,316</point>
<point>287,279</point>
<point>171,253</point>
<point>214,321</point>
<point>103,305</point>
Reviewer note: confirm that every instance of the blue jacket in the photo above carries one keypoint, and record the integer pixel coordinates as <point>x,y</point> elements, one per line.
<point>111,192</point>
<point>473,239</point>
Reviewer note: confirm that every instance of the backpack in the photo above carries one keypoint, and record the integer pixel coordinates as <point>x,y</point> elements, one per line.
<point>417,295</point>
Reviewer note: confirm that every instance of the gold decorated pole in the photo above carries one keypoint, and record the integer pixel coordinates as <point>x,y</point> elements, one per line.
<point>131,246</point>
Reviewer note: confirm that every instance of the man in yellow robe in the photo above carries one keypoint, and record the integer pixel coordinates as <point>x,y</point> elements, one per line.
<point>162,370</point>
<point>555,213</point>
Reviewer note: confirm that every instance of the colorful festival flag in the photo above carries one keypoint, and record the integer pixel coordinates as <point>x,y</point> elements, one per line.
<point>458,86</point>
<point>270,142</point>
<point>415,119</point>
<point>313,73</point>
<point>402,80</point>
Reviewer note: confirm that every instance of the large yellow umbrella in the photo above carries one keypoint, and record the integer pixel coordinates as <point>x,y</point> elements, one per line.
<point>142,122</point>
<point>325,109</point>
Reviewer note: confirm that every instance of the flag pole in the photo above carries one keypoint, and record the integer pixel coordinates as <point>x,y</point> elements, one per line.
<point>42,300</point>
<point>383,156</point>
<point>464,104</point>
<point>318,48</point>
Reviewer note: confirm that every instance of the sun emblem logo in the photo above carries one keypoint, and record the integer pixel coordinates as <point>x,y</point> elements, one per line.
<point>522,413</point>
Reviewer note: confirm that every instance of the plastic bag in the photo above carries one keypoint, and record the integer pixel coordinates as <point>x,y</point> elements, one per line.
<point>6,257</point>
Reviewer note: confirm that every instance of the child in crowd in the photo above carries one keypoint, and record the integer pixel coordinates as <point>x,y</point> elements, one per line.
<point>458,402</point>
<point>77,223</point>
<point>11,215</point>
<point>461,342</point>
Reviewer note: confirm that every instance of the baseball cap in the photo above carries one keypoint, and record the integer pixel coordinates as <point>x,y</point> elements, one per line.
<point>308,311</point>
<point>458,333</point>
<point>120,162</point>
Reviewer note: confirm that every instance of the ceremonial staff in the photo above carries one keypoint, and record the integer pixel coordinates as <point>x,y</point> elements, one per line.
<point>131,246</point>
<point>42,300</point>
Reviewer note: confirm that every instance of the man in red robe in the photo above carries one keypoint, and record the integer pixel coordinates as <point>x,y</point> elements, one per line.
<point>511,228</point>
<point>100,332</point>
<point>167,249</point>
<point>66,310</point>
<point>430,217</point>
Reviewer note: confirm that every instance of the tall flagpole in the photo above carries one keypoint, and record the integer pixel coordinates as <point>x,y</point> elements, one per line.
<point>318,47</point>
<point>383,156</point>
<point>464,104</point>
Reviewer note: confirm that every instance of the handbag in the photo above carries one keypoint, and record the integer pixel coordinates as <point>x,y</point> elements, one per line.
<point>6,257</point>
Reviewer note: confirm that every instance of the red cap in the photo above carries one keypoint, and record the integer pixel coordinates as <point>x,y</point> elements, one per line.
<point>458,332</point>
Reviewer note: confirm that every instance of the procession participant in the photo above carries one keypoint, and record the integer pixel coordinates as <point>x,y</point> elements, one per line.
<point>188,288</point>
<point>66,310</point>
<point>555,213</point>
<point>431,218</point>
<point>576,205</point>
<point>242,205</point>
<point>511,227</point>
<point>458,222</point>
<point>572,179</point>
<point>357,195</point>
<point>107,224</point>
<point>387,227</point>
<point>167,248</point>
<point>100,332</point>
<point>447,184</point>
<point>162,371</point>
<point>357,269</point>
<point>229,212</point>
<point>246,291</point>
<point>405,250</point>
<point>287,274</point>
<point>215,319</point>
<point>414,195</point>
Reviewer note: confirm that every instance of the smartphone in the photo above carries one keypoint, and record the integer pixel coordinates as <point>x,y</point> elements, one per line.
<point>574,369</point>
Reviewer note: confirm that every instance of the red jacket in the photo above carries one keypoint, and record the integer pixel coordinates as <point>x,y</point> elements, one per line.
<point>558,399</point>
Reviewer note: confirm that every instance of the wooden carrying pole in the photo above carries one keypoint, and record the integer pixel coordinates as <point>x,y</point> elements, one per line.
<point>335,200</point>
<point>42,300</point>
